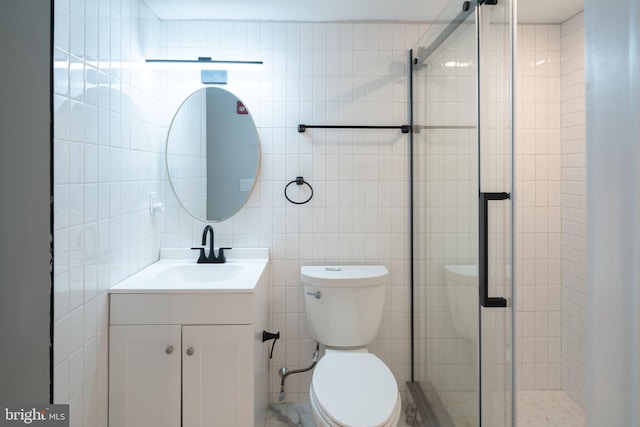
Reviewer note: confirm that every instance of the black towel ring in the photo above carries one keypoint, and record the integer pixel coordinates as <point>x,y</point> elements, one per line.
<point>299,181</point>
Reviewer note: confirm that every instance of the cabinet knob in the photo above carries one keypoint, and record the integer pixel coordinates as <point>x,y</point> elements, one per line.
<point>169,349</point>
<point>190,351</point>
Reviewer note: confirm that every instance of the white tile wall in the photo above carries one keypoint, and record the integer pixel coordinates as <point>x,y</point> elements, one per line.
<point>573,210</point>
<point>106,160</point>
<point>108,149</point>
<point>314,73</point>
<point>538,207</point>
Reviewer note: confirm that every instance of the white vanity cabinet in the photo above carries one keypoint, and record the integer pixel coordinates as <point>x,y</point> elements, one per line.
<point>158,369</point>
<point>218,376</point>
<point>189,356</point>
<point>145,375</point>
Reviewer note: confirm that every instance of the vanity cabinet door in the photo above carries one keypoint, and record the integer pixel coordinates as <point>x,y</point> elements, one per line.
<point>217,374</point>
<point>144,376</point>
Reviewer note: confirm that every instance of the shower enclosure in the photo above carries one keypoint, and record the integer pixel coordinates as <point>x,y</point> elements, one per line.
<point>462,157</point>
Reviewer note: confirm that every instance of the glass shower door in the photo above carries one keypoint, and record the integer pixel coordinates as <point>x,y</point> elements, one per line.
<point>495,134</point>
<point>461,217</point>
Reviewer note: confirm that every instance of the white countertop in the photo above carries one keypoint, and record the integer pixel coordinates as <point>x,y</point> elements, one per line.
<point>157,277</point>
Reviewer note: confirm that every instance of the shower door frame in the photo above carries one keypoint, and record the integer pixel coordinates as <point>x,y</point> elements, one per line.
<point>418,394</point>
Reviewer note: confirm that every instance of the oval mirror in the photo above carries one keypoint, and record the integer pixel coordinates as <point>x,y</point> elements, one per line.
<point>213,154</point>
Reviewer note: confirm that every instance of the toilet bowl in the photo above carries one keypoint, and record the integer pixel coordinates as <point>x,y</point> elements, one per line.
<point>354,388</point>
<point>350,387</point>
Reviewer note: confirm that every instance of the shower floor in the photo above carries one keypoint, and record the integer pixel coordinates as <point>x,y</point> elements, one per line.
<point>548,408</point>
<point>535,409</point>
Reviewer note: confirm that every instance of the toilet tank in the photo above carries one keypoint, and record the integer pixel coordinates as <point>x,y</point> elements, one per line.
<point>344,303</point>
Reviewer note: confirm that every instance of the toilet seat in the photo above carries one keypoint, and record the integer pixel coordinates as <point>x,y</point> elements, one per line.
<point>323,420</point>
<point>355,389</point>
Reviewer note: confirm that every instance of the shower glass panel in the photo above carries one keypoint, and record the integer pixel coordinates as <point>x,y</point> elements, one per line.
<point>445,197</point>
<point>495,114</point>
<point>462,223</point>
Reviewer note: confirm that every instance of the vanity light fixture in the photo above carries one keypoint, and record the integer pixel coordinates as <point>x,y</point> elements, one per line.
<point>204,63</point>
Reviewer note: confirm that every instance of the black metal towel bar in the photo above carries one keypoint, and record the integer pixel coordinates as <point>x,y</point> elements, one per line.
<point>403,128</point>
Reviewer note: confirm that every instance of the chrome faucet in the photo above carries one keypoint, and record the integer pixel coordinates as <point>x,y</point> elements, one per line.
<point>211,257</point>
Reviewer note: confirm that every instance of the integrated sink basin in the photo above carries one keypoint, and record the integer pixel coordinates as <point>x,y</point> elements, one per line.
<point>177,271</point>
<point>199,273</point>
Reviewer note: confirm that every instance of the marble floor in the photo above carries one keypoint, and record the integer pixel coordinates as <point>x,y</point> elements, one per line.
<point>535,409</point>
<point>289,414</point>
<point>297,415</point>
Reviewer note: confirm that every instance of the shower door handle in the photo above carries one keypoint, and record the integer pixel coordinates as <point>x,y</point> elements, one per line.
<point>483,267</point>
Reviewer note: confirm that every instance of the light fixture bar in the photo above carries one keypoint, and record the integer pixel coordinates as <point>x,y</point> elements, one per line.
<point>202,60</point>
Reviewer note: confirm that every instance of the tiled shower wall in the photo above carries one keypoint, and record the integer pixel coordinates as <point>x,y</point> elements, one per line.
<point>552,217</point>
<point>573,210</point>
<point>314,73</point>
<point>538,211</point>
<point>106,161</point>
<point>549,158</point>
<point>538,208</point>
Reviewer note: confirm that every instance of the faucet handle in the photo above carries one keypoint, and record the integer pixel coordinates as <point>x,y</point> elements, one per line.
<point>221,258</point>
<point>201,258</point>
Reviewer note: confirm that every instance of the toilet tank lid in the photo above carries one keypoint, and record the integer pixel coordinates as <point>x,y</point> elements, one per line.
<point>344,275</point>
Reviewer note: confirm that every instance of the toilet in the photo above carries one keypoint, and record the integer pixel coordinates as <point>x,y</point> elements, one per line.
<point>350,387</point>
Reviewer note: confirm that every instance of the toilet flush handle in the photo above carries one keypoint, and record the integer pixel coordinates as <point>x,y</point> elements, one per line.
<point>317,294</point>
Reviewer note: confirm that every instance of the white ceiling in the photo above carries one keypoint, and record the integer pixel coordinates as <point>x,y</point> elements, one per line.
<point>529,11</point>
<point>548,11</point>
